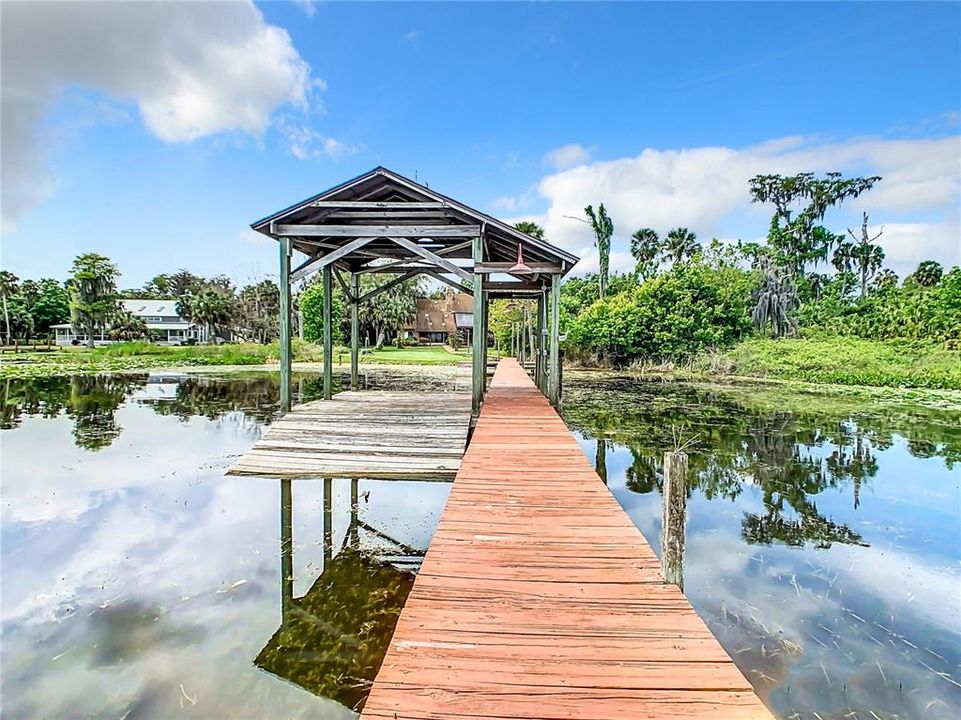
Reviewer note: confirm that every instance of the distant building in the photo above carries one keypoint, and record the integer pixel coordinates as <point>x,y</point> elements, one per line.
<point>165,326</point>
<point>437,321</point>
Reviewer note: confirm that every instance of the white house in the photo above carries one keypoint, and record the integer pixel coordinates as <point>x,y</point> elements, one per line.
<point>160,317</point>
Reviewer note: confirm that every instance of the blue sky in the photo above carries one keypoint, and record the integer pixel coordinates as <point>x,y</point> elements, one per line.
<point>159,146</point>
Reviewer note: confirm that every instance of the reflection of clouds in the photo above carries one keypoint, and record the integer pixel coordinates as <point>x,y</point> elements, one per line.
<point>842,630</point>
<point>148,529</point>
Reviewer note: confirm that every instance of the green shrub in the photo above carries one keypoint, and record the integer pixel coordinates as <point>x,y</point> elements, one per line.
<point>693,307</point>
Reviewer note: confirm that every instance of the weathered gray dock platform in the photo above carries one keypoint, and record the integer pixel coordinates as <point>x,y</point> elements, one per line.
<point>366,434</point>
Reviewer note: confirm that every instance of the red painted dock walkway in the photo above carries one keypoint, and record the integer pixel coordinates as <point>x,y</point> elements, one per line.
<point>539,598</point>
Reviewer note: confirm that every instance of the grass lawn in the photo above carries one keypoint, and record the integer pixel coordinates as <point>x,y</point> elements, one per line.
<point>839,360</point>
<point>143,356</point>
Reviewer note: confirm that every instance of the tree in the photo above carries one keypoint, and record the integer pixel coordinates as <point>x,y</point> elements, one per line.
<point>93,293</point>
<point>48,306</point>
<point>124,325</point>
<point>861,257</point>
<point>8,288</point>
<point>645,248</point>
<point>775,301</point>
<point>312,308</point>
<point>679,245</point>
<point>173,285</point>
<point>800,203</point>
<point>258,311</point>
<point>928,274</point>
<point>385,313</point>
<point>212,309</point>
<point>530,228</point>
<point>603,230</point>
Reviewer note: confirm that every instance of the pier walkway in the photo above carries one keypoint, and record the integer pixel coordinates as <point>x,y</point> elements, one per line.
<point>539,598</point>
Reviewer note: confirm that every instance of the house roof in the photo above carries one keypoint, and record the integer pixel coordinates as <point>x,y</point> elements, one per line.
<point>157,308</point>
<point>383,195</point>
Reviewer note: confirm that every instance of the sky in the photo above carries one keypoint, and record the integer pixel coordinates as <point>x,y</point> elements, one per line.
<point>156,133</point>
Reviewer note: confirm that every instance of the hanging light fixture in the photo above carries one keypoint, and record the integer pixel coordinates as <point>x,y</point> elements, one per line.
<point>520,267</point>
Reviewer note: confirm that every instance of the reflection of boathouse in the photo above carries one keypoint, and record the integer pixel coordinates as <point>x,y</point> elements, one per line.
<point>332,640</point>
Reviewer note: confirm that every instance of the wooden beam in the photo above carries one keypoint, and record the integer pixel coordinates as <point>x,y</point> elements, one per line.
<point>502,267</point>
<point>328,332</point>
<point>478,369</point>
<point>432,257</point>
<point>376,205</point>
<point>355,331</point>
<point>320,263</point>
<point>507,285</point>
<point>388,231</point>
<point>388,285</point>
<point>443,252</point>
<point>342,283</point>
<point>387,214</point>
<point>453,283</point>
<point>285,363</point>
<point>541,329</point>
<point>554,359</point>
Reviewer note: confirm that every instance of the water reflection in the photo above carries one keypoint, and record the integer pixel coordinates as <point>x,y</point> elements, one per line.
<point>138,581</point>
<point>92,401</point>
<point>332,640</point>
<point>821,544</point>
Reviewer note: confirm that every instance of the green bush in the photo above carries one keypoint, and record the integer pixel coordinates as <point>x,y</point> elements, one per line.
<point>693,307</point>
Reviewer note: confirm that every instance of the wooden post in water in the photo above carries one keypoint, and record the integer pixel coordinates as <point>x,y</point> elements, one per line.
<point>355,331</point>
<point>284,243</point>
<point>328,522</point>
<point>600,459</point>
<point>674,517</point>
<point>286,549</point>
<point>328,332</point>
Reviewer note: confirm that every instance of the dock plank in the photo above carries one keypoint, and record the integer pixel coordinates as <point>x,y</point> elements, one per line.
<point>538,597</point>
<point>368,434</point>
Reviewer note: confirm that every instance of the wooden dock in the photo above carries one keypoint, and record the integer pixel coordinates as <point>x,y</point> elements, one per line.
<point>538,597</point>
<point>367,434</point>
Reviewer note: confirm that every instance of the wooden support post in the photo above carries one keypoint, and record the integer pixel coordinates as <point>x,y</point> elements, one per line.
<point>328,332</point>
<point>285,362</point>
<point>539,361</point>
<point>478,370</point>
<point>354,532</point>
<point>286,550</point>
<point>355,331</point>
<point>673,517</point>
<point>328,522</point>
<point>554,360</point>
<point>600,459</point>
<point>485,330</point>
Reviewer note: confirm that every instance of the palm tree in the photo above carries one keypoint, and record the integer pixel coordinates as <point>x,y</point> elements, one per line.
<point>645,247</point>
<point>603,230</point>
<point>679,245</point>
<point>530,228</point>
<point>8,288</point>
<point>928,273</point>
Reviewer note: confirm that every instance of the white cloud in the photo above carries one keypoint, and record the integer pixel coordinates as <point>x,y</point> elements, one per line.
<point>568,156</point>
<point>192,69</point>
<point>706,189</point>
<point>306,143</point>
<point>410,37</point>
<point>308,6</point>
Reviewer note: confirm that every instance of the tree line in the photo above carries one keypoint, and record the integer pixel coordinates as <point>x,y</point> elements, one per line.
<point>684,297</point>
<point>90,299</point>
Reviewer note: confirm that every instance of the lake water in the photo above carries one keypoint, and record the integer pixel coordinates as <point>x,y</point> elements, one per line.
<point>823,546</point>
